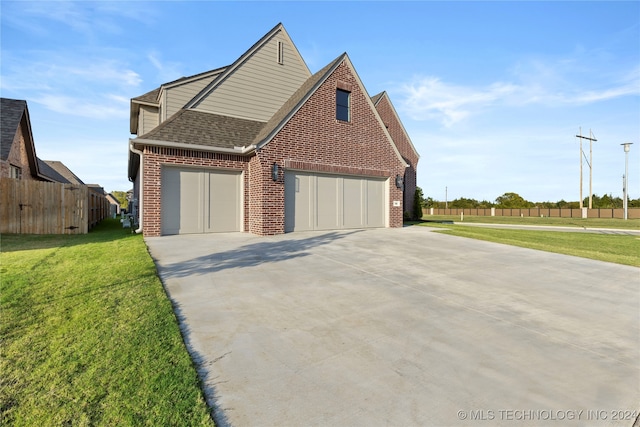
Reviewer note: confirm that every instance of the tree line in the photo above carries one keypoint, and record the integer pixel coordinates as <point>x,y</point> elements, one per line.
<point>515,201</point>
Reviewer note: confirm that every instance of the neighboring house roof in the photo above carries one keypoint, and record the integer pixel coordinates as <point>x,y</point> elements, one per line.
<point>61,169</point>
<point>11,112</point>
<point>14,114</point>
<point>50,174</point>
<point>112,199</point>
<point>205,129</point>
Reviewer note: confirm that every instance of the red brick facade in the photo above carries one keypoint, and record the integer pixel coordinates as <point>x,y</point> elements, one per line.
<point>312,140</point>
<point>17,157</point>
<point>407,151</point>
<point>156,157</point>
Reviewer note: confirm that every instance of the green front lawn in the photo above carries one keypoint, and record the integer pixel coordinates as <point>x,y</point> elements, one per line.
<point>617,248</point>
<point>89,336</point>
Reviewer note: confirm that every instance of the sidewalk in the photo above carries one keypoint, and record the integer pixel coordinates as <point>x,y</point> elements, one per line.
<point>553,228</point>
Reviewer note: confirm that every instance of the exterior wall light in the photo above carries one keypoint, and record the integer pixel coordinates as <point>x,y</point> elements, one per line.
<point>400,182</point>
<point>274,172</point>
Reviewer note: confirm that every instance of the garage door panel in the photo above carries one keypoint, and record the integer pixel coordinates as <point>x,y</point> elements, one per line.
<point>299,202</point>
<point>224,203</point>
<point>353,203</point>
<point>200,201</point>
<point>329,202</point>
<point>375,203</point>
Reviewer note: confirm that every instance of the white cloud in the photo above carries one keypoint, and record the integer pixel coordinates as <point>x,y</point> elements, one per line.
<point>109,107</point>
<point>167,71</point>
<point>564,81</point>
<point>430,98</point>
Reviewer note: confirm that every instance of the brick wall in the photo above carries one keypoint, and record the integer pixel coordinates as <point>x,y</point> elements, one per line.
<point>396,130</point>
<point>313,140</point>
<point>155,157</point>
<point>17,157</point>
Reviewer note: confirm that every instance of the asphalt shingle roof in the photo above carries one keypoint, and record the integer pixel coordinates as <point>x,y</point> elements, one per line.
<point>50,173</point>
<point>11,111</point>
<point>150,97</point>
<point>200,128</point>
<point>61,169</point>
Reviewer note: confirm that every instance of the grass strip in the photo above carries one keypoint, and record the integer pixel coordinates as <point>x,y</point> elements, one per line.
<point>616,248</point>
<point>89,336</point>
<point>630,224</point>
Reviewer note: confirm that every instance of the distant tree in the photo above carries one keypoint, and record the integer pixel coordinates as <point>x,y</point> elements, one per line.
<point>512,201</point>
<point>463,203</point>
<point>122,198</point>
<point>429,202</point>
<point>633,203</point>
<point>605,202</point>
<point>418,197</point>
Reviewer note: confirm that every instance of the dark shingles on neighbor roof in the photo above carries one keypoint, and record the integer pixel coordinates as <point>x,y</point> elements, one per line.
<point>200,128</point>
<point>50,173</point>
<point>64,171</point>
<point>11,111</point>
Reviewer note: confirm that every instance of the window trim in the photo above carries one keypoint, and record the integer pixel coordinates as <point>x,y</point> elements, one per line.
<point>340,108</point>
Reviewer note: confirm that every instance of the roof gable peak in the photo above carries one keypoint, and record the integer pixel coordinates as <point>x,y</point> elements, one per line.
<point>228,71</point>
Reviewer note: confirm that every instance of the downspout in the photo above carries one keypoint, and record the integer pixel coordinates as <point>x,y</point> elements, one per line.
<point>141,191</point>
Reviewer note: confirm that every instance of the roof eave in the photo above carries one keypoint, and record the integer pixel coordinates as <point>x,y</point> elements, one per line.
<point>242,151</point>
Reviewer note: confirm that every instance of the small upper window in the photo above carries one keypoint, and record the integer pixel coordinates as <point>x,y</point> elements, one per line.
<point>342,105</point>
<point>280,53</point>
<point>16,172</point>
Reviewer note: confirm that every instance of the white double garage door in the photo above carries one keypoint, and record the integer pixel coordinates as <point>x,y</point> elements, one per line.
<point>209,201</point>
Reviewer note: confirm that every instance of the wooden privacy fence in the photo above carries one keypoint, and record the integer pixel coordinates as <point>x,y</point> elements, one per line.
<point>37,207</point>
<point>633,213</point>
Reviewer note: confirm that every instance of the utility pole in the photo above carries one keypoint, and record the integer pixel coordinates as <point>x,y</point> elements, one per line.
<point>591,140</point>
<point>446,198</point>
<point>625,178</point>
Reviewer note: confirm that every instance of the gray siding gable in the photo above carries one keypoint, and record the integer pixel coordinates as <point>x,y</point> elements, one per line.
<point>257,84</point>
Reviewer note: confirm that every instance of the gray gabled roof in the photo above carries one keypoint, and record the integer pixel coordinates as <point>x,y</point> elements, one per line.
<point>150,97</point>
<point>206,129</point>
<point>11,111</point>
<point>63,170</point>
<point>50,173</point>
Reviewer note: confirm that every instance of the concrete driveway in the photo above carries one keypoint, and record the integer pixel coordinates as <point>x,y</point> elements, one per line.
<point>403,327</point>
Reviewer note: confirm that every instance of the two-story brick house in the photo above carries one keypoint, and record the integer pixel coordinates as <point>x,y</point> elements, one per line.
<point>264,146</point>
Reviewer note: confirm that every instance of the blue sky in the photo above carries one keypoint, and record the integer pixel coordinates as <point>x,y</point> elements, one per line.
<point>491,93</point>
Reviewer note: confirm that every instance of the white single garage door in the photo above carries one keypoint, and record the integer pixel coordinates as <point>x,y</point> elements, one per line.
<point>332,202</point>
<point>200,200</point>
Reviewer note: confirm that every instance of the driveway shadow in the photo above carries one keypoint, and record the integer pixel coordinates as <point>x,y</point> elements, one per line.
<point>250,255</point>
